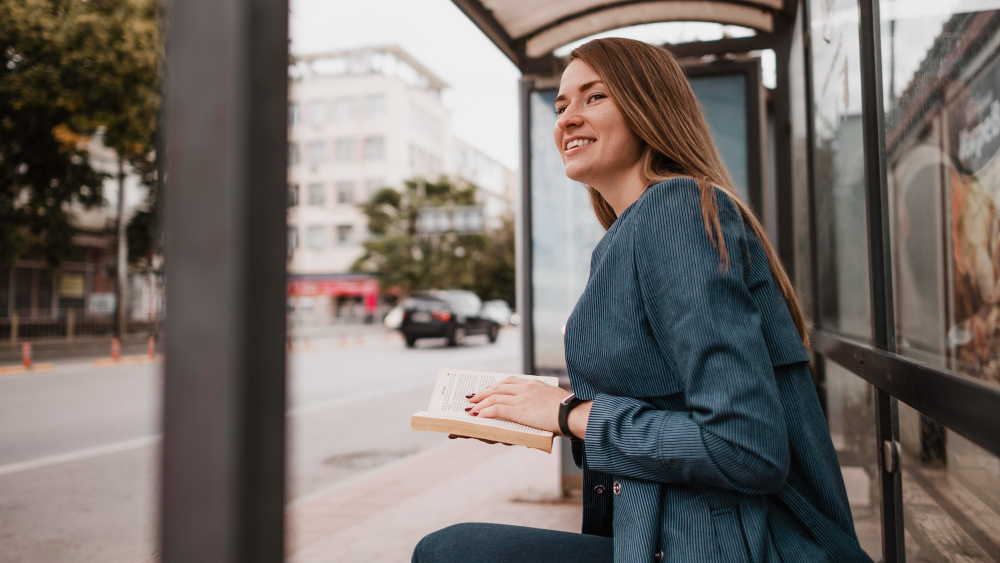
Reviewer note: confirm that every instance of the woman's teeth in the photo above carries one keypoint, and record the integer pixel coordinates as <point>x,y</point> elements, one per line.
<point>578,143</point>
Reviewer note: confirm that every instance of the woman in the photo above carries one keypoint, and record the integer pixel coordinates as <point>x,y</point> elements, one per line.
<point>695,419</point>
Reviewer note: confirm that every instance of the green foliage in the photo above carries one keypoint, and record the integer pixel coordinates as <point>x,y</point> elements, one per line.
<point>67,68</point>
<point>398,256</point>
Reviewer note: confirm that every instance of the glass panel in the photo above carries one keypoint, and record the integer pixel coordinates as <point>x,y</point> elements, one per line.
<point>563,236</point>
<point>724,103</point>
<point>951,494</point>
<point>802,273</point>
<point>850,413</point>
<point>941,73</point>
<point>842,252</point>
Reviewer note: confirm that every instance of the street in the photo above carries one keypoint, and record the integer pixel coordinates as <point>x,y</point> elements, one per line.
<point>79,444</point>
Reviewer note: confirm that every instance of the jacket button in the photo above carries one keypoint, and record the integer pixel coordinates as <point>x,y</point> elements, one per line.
<point>617,488</point>
<point>659,556</point>
<point>599,489</point>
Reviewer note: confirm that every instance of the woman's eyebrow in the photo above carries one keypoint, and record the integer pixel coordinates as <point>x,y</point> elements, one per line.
<point>583,88</point>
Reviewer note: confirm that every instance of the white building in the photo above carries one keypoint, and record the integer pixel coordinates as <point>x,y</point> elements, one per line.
<point>360,120</point>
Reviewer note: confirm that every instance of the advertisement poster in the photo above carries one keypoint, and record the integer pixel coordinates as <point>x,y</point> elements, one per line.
<point>974,141</point>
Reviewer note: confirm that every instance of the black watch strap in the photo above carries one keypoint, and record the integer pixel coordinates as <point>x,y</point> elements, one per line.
<point>565,406</point>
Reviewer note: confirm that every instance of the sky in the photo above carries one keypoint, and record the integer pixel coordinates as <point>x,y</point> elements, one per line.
<point>484,83</point>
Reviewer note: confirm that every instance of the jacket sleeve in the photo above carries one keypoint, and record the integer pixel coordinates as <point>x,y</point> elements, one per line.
<point>704,322</point>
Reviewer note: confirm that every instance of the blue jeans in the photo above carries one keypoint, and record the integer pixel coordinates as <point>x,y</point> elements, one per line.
<point>499,543</point>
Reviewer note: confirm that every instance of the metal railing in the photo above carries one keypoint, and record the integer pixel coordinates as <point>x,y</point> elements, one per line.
<point>68,325</point>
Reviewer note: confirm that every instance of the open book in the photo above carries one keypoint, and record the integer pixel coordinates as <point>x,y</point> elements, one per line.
<point>446,412</point>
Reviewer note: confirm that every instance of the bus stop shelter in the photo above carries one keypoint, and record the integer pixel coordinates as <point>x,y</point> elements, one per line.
<point>846,167</point>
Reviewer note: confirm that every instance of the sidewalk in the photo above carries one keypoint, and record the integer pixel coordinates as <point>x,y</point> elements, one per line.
<point>380,516</point>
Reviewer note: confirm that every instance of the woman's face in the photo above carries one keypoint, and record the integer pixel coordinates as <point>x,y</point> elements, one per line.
<point>595,143</point>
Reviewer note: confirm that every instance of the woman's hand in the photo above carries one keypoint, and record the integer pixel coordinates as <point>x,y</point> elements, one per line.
<point>524,401</point>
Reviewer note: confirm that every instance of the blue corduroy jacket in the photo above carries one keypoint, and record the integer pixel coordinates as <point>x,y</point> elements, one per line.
<point>706,441</point>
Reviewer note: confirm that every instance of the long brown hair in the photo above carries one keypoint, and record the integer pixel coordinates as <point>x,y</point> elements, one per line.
<point>659,107</point>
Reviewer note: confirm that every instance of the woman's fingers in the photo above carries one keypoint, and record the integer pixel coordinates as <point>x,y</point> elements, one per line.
<point>505,387</point>
<point>490,401</point>
<point>499,410</point>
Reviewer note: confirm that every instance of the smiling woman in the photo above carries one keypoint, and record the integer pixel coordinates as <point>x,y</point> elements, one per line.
<point>693,404</point>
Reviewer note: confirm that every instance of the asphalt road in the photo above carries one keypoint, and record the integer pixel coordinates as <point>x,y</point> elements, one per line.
<point>79,445</point>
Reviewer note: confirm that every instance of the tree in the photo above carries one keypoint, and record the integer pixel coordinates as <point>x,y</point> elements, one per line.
<point>43,162</point>
<point>399,256</point>
<point>70,69</point>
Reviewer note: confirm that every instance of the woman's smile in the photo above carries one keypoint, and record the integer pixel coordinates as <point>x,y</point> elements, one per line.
<point>576,144</point>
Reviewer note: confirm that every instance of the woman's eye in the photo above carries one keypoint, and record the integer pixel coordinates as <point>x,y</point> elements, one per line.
<point>560,110</point>
<point>594,97</point>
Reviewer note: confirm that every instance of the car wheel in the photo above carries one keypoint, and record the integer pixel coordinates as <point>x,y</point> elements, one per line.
<point>494,331</point>
<point>411,342</point>
<point>456,337</point>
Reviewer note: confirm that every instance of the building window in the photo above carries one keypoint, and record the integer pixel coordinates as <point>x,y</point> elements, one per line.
<point>316,152</point>
<point>293,154</point>
<point>347,150</point>
<point>293,240</point>
<point>317,195</point>
<point>317,112</point>
<point>293,195</point>
<point>375,105</point>
<point>345,235</point>
<point>345,192</point>
<point>374,148</point>
<point>316,237</point>
<point>345,109</point>
<point>294,114</point>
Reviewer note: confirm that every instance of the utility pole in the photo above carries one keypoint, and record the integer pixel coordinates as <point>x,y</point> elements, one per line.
<point>121,279</point>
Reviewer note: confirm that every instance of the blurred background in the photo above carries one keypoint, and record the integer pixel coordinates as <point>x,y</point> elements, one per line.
<point>429,225</point>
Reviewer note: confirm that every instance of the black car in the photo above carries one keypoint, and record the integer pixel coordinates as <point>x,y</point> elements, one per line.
<point>452,314</point>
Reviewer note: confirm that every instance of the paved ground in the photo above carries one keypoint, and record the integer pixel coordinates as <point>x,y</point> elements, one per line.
<point>78,446</point>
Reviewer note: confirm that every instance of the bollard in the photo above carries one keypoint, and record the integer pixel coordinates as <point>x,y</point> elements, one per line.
<point>152,347</point>
<point>26,355</point>
<point>70,322</point>
<point>116,350</point>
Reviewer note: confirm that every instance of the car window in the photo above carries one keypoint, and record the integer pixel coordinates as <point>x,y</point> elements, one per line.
<point>423,304</point>
<point>463,302</point>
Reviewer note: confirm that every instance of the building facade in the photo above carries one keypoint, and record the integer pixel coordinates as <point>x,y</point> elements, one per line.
<point>361,120</point>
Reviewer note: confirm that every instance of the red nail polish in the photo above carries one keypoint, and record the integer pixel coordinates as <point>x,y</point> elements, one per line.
<point>475,413</point>
<point>467,409</point>
<point>470,395</point>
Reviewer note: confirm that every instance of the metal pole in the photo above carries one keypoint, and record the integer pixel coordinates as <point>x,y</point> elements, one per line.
<point>224,414</point>
<point>880,276</point>
<point>121,262</point>
<point>525,288</point>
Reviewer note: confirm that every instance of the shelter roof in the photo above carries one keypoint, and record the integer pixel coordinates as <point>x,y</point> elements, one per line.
<point>528,31</point>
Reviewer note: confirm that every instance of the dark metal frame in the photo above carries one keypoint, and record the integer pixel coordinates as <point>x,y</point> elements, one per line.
<point>880,276</point>
<point>223,469</point>
<point>524,280</point>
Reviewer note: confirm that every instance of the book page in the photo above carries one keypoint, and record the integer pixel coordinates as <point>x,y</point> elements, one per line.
<point>453,385</point>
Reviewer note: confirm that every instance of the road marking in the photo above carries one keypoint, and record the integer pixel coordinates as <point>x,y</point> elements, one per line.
<point>78,455</point>
<point>126,445</point>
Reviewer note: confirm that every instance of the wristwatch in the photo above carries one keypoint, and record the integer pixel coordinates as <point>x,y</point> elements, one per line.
<point>565,406</point>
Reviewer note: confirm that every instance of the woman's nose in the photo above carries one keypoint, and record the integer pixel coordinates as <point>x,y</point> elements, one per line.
<point>569,117</point>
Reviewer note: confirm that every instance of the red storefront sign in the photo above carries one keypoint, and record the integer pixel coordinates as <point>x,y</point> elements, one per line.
<point>333,288</point>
